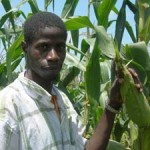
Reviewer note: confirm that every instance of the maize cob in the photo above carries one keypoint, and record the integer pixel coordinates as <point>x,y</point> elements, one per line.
<point>136,104</point>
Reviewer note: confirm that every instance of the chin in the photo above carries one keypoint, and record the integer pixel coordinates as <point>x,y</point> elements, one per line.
<point>51,77</point>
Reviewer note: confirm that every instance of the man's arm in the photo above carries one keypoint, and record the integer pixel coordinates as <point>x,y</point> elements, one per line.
<point>100,138</point>
<point>8,139</point>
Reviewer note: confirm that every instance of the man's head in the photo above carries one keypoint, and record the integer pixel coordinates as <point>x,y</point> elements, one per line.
<point>44,46</point>
<point>38,21</point>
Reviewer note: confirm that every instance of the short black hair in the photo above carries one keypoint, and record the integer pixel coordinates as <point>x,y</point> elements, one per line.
<point>41,20</point>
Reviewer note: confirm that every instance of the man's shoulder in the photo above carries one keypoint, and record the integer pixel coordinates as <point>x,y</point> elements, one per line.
<point>9,90</point>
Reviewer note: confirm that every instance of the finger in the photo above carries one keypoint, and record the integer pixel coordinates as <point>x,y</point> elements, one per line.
<point>133,72</point>
<point>139,87</point>
<point>136,79</point>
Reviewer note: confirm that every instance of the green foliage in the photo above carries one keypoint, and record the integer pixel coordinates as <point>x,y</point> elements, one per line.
<point>86,75</point>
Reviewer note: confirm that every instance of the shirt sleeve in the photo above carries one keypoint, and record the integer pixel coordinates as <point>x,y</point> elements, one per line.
<point>9,140</point>
<point>9,137</point>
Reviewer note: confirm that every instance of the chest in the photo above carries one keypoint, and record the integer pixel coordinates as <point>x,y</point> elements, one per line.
<point>40,127</point>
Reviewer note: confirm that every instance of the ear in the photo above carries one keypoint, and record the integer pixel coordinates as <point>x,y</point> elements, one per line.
<point>24,46</point>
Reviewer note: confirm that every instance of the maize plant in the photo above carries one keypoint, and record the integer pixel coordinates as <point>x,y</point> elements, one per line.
<point>135,103</point>
<point>132,98</point>
<point>144,138</point>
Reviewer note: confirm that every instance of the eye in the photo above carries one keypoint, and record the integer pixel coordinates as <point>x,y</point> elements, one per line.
<point>61,47</point>
<point>43,47</point>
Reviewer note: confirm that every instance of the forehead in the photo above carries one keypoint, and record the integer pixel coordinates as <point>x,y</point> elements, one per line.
<point>51,33</point>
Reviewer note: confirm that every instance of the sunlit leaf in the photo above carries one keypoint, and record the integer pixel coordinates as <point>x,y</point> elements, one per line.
<point>131,6</point>
<point>69,8</point>
<point>92,82</point>
<point>47,3</point>
<point>13,53</point>
<point>75,37</point>
<point>75,23</point>
<point>113,145</point>
<point>33,5</point>
<point>105,43</point>
<point>105,71</point>
<point>130,31</point>
<point>70,76</point>
<point>75,49</point>
<point>120,25</point>
<point>138,52</point>
<point>3,20</point>
<point>104,10</point>
<point>145,34</point>
<point>72,60</point>
<point>7,6</point>
<point>84,47</point>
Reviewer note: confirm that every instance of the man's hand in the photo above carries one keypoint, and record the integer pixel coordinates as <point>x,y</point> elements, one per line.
<point>136,79</point>
<point>115,99</point>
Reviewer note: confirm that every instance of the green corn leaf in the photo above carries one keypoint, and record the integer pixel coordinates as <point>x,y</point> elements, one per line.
<point>120,25</point>
<point>70,76</point>
<point>33,5</point>
<point>75,49</point>
<point>105,43</point>
<point>131,6</point>
<point>12,54</point>
<point>3,19</point>
<point>7,6</point>
<point>75,37</point>
<point>47,3</point>
<point>92,82</point>
<point>105,71</point>
<point>72,60</point>
<point>143,1</point>
<point>3,79</point>
<point>104,11</point>
<point>69,8</point>
<point>114,145</point>
<point>75,23</point>
<point>145,31</point>
<point>84,47</point>
<point>136,51</point>
<point>130,31</point>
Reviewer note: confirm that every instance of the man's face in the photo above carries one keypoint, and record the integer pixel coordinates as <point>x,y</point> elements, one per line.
<point>46,54</point>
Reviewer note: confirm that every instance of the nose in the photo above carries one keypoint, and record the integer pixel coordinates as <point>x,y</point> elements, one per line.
<point>52,55</point>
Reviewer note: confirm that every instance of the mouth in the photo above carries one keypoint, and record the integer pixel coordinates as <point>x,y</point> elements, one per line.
<point>54,67</point>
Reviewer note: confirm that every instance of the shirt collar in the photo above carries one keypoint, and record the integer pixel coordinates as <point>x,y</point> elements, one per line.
<point>33,89</point>
<point>38,93</point>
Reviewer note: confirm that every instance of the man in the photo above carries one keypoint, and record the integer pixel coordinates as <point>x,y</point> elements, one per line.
<point>34,114</point>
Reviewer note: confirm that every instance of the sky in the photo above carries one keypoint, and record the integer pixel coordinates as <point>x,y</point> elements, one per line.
<point>81,10</point>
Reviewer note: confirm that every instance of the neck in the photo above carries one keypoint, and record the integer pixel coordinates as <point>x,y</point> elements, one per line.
<point>44,83</point>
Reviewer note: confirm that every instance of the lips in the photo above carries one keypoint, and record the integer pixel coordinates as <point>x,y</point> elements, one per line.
<point>52,67</point>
